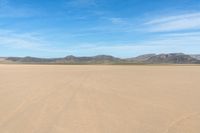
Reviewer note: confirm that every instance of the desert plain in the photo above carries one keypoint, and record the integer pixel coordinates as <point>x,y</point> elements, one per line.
<point>99,99</point>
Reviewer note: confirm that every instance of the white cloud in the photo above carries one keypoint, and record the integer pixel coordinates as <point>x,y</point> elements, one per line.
<point>190,21</point>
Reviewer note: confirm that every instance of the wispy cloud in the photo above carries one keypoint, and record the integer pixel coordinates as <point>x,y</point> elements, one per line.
<point>17,40</point>
<point>10,38</point>
<point>166,43</point>
<point>26,41</point>
<point>189,21</point>
<point>173,42</point>
<point>118,20</point>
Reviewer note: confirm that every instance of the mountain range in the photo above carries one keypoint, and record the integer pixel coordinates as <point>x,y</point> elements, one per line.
<point>171,58</point>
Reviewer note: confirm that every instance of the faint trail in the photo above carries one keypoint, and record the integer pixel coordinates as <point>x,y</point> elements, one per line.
<point>98,99</point>
<point>67,104</point>
<point>178,121</point>
<point>111,92</point>
<point>13,113</point>
<point>114,91</point>
<point>47,103</point>
<point>27,101</point>
<point>93,105</point>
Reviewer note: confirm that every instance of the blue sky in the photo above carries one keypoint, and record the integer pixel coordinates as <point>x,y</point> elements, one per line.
<point>123,28</point>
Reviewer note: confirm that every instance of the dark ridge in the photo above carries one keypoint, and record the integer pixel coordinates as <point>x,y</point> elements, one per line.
<point>172,58</point>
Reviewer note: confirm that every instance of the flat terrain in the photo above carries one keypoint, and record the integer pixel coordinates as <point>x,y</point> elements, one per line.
<point>99,99</point>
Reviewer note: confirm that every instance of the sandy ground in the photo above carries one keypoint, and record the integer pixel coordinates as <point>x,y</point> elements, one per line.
<point>99,99</point>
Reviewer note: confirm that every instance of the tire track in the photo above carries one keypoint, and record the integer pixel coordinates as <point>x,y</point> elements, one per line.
<point>178,121</point>
<point>29,102</point>
<point>63,108</point>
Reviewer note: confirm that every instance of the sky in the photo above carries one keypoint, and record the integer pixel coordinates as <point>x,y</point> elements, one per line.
<point>122,28</point>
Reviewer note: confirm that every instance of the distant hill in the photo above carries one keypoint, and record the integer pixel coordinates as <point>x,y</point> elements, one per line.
<point>2,59</point>
<point>172,58</point>
<point>196,56</point>
<point>99,59</point>
<point>141,58</point>
<point>30,59</point>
